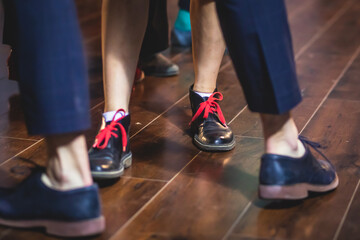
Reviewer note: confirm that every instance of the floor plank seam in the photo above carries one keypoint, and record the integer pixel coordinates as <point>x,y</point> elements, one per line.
<point>329,24</point>
<point>352,59</point>
<point>338,230</point>
<point>250,137</point>
<point>178,101</point>
<point>97,105</point>
<point>325,27</point>
<point>161,114</point>
<point>238,114</point>
<point>231,229</point>
<point>1,164</point>
<point>164,187</point>
<point>174,58</point>
<point>151,199</point>
<point>346,68</point>
<point>16,138</point>
<point>299,9</point>
<point>146,179</point>
<point>298,54</point>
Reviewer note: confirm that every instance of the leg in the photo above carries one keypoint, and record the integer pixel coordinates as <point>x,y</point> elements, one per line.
<point>10,38</point>
<point>63,200</point>
<point>259,42</point>
<point>210,131</point>
<point>64,172</point>
<point>122,34</point>
<point>281,135</point>
<point>181,33</point>
<point>10,23</point>
<point>156,39</point>
<point>208,44</point>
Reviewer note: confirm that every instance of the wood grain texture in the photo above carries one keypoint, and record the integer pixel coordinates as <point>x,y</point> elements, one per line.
<point>204,200</point>
<point>175,192</point>
<point>337,127</point>
<point>10,147</point>
<point>319,216</point>
<point>318,68</point>
<point>165,147</point>
<point>349,88</point>
<point>119,202</point>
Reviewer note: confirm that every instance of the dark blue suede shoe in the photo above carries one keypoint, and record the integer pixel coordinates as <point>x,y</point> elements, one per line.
<point>283,177</point>
<point>71,213</point>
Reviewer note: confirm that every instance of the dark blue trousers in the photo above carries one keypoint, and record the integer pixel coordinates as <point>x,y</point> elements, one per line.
<point>156,37</point>
<point>258,38</point>
<point>184,5</point>
<point>53,76</point>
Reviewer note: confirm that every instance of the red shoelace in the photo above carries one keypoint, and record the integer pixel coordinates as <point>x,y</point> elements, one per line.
<point>105,134</point>
<point>210,106</point>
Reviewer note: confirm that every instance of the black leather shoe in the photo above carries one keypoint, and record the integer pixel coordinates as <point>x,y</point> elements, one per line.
<point>208,126</point>
<point>158,65</point>
<point>111,153</point>
<point>283,177</point>
<point>72,213</point>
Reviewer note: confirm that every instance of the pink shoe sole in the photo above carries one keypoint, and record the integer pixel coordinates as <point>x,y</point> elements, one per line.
<point>294,192</point>
<point>63,229</point>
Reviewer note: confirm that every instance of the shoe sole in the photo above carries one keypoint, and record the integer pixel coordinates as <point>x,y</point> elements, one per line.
<point>214,148</point>
<point>60,228</point>
<point>127,161</point>
<point>294,192</point>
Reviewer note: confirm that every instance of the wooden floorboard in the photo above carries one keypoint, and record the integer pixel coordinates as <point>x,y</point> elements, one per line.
<point>318,68</point>
<point>336,126</point>
<point>179,196</point>
<point>174,191</point>
<point>11,147</point>
<point>310,18</point>
<point>208,195</point>
<point>346,94</point>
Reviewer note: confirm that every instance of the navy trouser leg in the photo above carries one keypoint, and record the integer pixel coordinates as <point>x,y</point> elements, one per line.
<point>184,5</point>
<point>156,37</point>
<point>10,23</point>
<point>53,84</point>
<point>259,41</point>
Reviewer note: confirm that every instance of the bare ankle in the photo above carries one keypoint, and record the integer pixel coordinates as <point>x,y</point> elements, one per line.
<point>281,135</point>
<point>204,88</point>
<point>274,146</point>
<point>68,166</point>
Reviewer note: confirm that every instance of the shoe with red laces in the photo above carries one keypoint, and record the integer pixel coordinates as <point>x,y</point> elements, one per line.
<point>208,125</point>
<point>110,153</point>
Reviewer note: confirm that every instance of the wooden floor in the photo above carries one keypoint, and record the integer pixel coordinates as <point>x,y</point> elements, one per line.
<point>173,190</point>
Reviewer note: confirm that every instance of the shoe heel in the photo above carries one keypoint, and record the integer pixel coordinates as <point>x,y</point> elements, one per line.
<point>294,192</point>
<point>76,229</point>
<point>128,161</point>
